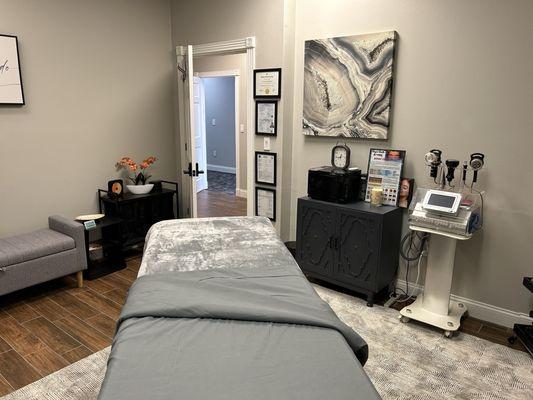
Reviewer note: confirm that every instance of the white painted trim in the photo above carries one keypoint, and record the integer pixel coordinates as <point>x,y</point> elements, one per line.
<point>241,193</point>
<point>477,309</point>
<point>250,131</point>
<point>226,47</point>
<point>216,74</point>
<point>221,168</point>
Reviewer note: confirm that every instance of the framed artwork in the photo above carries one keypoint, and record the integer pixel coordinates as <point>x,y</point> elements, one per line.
<point>267,83</point>
<point>11,92</point>
<point>265,168</point>
<point>385,169</point>
<point>348,86</point>
<point>407,186</point>
<point>265,203</point>
<point>266,117</point>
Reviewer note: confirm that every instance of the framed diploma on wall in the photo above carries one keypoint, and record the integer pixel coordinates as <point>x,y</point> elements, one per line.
<point>265,168</point>
<point>265,203</point>
<point>267,83</point>
<point>266,117</point>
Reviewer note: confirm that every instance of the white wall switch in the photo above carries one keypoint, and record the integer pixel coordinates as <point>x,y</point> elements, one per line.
<point>241,128</point>
<point>213,122</point>
<point>266,143</point>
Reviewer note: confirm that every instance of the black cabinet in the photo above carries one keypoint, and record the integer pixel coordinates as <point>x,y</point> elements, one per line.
<point>351,245</point>
<point>139,212</point>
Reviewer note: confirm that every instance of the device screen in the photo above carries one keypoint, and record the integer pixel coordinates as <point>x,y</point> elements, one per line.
<point>441,200</point>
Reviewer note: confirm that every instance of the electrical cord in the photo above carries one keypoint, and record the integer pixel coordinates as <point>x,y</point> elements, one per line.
<point>409,296</point>
<point>411,251</point>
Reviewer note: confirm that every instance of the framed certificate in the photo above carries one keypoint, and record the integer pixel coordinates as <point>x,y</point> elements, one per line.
<point>265,203</point>
<point>266,117</point>
<point>265,168</point>
<point>267,83</point>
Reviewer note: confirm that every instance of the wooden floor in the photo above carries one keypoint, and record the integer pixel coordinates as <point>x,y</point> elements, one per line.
<point>218,204</point>
<point>49,326</point>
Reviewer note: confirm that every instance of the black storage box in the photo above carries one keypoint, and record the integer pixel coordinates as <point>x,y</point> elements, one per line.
<point>334,184</point>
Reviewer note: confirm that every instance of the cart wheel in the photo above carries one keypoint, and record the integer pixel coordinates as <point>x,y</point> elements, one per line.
<point>512,339</point>
<point>448,334</point>
<point>404,319</point>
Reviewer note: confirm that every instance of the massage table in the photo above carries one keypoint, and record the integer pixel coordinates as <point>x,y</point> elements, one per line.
<point>221,310</point>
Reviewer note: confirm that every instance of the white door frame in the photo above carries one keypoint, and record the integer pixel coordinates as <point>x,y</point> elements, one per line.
<point>237,46</point>
<point>236,74</point>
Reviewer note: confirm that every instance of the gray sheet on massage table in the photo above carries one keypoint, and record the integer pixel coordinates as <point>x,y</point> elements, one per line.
<point>199,358</point>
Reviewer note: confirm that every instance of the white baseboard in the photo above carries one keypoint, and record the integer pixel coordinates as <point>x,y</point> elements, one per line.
<point>241,193</point>
<point>477,309</point>
<point>221,168</point>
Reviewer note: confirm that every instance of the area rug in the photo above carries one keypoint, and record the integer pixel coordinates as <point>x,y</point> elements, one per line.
<point>406,361</point>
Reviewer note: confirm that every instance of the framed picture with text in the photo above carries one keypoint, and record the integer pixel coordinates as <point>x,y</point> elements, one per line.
<point>265,168</point>
<point>266,117</point>
<point>265,203</point>
<point>267,83</point>
<point>11,92</point>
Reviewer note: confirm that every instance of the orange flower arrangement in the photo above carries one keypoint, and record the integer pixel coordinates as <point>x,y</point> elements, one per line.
<point>138,170</point>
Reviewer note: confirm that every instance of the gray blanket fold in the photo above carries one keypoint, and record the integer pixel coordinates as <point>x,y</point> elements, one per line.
<point>241,294</point>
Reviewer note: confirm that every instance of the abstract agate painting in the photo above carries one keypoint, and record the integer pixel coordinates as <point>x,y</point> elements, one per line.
<point>348,86</point>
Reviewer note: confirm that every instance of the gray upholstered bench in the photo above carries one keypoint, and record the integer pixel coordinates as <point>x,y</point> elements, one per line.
<point>43,255</point>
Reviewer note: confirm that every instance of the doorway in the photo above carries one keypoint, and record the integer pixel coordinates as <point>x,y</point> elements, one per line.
<point>218,95</point>
<point>193,161</point>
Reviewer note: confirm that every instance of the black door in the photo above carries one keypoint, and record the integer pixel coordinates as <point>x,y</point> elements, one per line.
<point>315,243</point>
<point>359,236</point>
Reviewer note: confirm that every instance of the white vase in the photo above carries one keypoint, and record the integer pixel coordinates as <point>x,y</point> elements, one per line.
<point>140,189</point>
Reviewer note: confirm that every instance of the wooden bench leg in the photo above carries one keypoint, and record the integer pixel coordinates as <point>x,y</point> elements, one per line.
<point>79,278</point>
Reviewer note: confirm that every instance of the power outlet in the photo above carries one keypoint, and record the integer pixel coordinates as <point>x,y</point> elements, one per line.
<point>214,153</point>
<point>214,122</point>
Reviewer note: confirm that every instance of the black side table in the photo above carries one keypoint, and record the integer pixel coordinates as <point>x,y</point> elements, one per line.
<point>103,245</point>
<point>139,212</point>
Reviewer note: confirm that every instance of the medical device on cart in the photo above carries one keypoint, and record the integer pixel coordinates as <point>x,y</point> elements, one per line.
<point>438,218</point>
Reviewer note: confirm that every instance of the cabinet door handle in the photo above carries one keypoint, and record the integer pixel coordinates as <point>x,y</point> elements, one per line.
<point>336,243</point>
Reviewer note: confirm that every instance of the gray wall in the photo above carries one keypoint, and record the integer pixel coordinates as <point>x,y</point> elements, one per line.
<point>98,79</point>
<point>220,105</point>
<point>463,84</point>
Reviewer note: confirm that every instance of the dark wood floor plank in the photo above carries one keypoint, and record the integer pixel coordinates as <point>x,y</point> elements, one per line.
<point>127,274</point>
<point>100,303</point>
<point>98,285</point>
<point>18,337</point>
<point>48,309</point>
<point>84,333</point>
<point>218,204</point>
<point>117,295</point>
<point>4,346</point>
<point>51,335</point>
<point>73,305</point>
<point>5,387</point>
<point>21,311</point>
<point>46,361</point>
<point>77,354</point>
<point>16,370</point>
<point>104,324</point>
<point>116,282</point>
